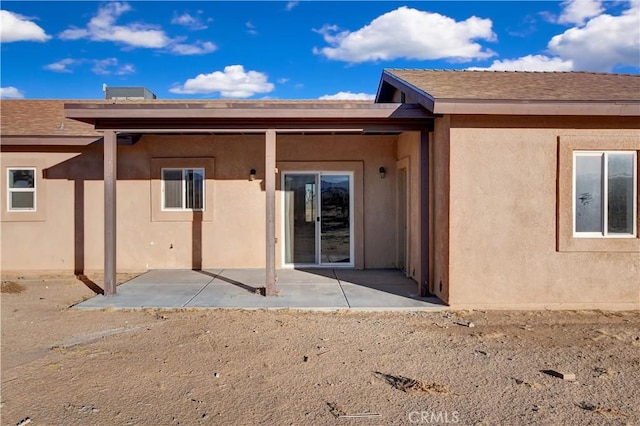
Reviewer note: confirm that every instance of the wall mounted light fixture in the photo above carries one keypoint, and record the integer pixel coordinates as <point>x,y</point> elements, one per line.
<point>252,174</point>
<point>383,172</point>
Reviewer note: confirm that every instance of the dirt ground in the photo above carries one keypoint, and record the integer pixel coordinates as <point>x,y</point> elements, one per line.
<point>230,367</point>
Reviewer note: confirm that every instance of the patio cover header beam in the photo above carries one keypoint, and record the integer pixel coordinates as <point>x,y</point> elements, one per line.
<point>155,118</point>
<point>253,117</point>
<point>297,128</point>
<point>89,112</point>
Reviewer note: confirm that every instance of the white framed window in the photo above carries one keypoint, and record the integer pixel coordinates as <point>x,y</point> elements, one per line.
<point>183,189</point>
<point>605,194</point>
<point>21,189</point>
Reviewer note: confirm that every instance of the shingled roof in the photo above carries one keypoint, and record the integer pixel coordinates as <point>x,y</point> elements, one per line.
<point>491,87</point>
<point>44,118</point>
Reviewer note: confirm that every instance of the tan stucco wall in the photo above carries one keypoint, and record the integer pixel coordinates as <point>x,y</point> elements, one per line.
<point>409,158</point>
<point>44,237</point>
<point>503,220</point>
<point>440,182</point>
<point>231,237</point>
<point>379,194</point>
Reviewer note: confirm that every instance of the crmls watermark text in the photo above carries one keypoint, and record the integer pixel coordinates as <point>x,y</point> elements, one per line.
<point>434,417</point>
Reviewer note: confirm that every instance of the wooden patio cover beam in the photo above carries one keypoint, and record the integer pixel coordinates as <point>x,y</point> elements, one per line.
<point>270,194</point>
<point>110,225</point>
<point>89,113</point>
<point>110,179</point>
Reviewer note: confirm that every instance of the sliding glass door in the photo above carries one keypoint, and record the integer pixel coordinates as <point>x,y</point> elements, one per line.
<point>318,211</point>
<point>300,216</point>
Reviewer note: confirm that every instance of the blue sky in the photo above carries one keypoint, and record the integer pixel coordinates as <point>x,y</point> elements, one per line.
<point>297,49</point>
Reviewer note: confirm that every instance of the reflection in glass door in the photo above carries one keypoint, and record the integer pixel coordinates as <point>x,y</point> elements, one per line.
<point>300,218</point>
<point>335,223</point>
<point>318,219</point>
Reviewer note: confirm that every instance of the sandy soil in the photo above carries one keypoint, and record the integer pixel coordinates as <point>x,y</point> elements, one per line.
<point>191,367</point>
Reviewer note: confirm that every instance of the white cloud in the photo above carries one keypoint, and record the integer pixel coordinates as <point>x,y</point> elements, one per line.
<point>106,66</point>
<point>348,96</point>
<point>125,69</point>
<point>251,29</point>
<point>15,27</point>
<point>189,21</point>
<point>233,82</point>
<point>290,5</point>
<point>111,66</point>
<point>10,93</point>
<point>74,34</point>
<point>63,65</point>
<point>529,63</point>
<point>283,80</point>
<point>102,27</point>
<point>198,48</point>
<point>409,33</point>
<point>579,11</point>
<point>604,42</point>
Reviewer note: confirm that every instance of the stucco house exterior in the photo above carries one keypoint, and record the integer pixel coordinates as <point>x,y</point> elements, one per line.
<point>492,190</point>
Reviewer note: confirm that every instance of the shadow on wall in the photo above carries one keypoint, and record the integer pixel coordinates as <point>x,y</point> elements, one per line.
<point>133,164</point>
<point>79,169</point>
<point>196,241</point>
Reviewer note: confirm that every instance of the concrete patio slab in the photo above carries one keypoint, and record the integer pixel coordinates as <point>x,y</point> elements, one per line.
<point>373,277</point>
<point>313,289</point>
<point>256,277</point>
<point>307,296</point>
<point>172,276</point>
<point>386,296</point>
<point>250,277</point>
<point>145,295</point>
<point>306,276</point>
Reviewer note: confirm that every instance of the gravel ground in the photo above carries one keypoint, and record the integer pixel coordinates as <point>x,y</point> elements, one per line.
<point>232,367</point>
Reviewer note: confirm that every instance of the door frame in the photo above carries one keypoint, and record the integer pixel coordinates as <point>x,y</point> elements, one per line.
<point>318,224</point>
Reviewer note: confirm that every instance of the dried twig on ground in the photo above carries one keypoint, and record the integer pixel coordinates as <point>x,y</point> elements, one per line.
<point>408,385</point>
<point>603,411</point>
<point>335,409</point>
<point>338,412</point>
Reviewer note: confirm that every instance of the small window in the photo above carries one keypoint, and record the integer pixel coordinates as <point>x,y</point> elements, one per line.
<point>604,194</point>
<point>21,189</point>
<point>183,189</point>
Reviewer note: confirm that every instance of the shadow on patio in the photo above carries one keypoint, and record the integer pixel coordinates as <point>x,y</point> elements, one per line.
<point>309,289</point>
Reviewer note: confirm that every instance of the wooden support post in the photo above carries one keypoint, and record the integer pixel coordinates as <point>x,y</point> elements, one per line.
<point>270,192</point>
<point>425,207</point>
<point>110,178</point>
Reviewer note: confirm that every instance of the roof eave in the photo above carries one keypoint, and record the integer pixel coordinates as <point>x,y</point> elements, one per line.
<point>35,140</point>
<point>412,93</point>
<point>61,141</point>
<point>581,108</point>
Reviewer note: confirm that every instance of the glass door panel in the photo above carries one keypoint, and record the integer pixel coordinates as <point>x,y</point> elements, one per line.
<point>335,219</point>
<point>300,215</point>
